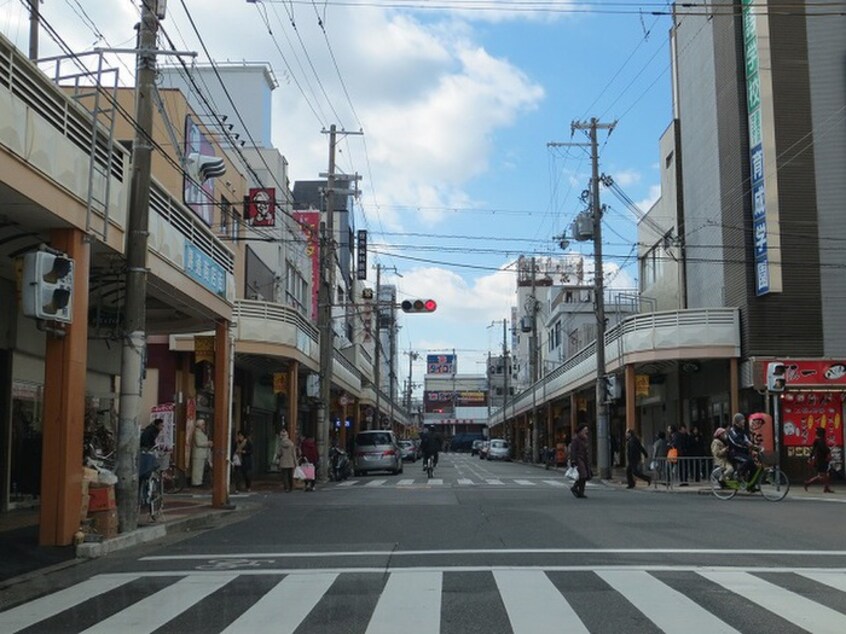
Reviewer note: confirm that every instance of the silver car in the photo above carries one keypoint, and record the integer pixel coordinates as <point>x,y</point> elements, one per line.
<point>499,450</point>
<point>377,451</point>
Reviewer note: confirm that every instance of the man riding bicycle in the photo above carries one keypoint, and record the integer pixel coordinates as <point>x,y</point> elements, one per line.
<point>147,460</point>
<point>740,446</point>
<point>430,445</point>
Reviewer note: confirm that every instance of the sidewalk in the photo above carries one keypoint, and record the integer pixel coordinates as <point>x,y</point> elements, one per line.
<point>23,558</point>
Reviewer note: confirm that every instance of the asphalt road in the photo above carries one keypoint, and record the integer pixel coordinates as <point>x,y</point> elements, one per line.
<point>482,547</point>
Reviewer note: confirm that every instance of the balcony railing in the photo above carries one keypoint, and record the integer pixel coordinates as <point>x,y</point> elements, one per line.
<point>656,333</point>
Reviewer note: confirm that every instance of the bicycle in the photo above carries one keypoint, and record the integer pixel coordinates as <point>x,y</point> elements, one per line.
<point>767,479</point>
<point>151,489</point>
<point>173,478</point>
<point>430,466</point>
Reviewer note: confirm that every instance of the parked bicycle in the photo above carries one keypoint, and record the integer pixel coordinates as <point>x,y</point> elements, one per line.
<point>151,482</point>
<point>173,479</point>
<point>766,479</point>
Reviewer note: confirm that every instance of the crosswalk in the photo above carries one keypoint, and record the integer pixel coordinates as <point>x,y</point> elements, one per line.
<point>460,482</point>
<point>429,600</point>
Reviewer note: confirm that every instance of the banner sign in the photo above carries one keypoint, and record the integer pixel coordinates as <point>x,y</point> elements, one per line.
<point>261,207</point>
<point>440,364</point>
<point>815,373</point>
<point>803,413</point>
<point>203,349</point>
<point>198,196</point>
<point>361,268</point>
<point>641,385</point>
<point>204,270</point>
<point>310,225</point>
<point>165,411</point>
<point>280,383</point>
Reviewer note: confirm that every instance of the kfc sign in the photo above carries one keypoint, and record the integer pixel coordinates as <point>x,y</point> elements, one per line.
<point>261,207</point>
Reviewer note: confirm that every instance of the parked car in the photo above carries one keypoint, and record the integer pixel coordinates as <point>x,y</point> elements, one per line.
<point>474,449</point>
<point>408,450</point>
<point>499,450</point>
<point>483,450</point>
<point>377,451</point>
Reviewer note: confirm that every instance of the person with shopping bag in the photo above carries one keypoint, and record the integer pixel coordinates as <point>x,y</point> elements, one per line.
<point>308,453</point>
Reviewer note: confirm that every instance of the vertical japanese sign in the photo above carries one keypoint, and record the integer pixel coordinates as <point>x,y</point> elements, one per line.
<point>361,252</point>
<point>166,438</point>
<point>310,225</point>
<point>198,196</point>
<point>764,219</point>
<point>204,270</point>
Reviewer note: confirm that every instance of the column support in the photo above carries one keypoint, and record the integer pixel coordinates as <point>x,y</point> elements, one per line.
<point>222,416</point>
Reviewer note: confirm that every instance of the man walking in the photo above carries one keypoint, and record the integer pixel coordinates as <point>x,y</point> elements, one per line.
<point>634,452</point>
<point>580,457</point>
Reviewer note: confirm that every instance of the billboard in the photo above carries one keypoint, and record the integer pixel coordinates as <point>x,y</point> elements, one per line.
<point>440,364</point>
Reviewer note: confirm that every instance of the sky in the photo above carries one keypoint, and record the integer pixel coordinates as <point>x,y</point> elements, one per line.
<point>458,101</point>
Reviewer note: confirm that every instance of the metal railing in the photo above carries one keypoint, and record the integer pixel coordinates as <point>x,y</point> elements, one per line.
<point>680,471</point>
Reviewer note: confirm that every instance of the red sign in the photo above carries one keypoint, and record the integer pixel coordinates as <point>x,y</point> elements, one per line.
<point>310,225</point>
<point>815,373</point>
<point>804,412</point>
<point>261,207</point>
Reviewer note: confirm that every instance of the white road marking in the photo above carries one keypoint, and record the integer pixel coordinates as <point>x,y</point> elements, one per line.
<point>375,483</point>
<point>525,483</point>
<point>513,551</point>
<point>790,606</point>
<point>437,481</point>
<point>833,579</point>
<point>30,613</point>
<point>347,483</point>
<point>495,481</point>
<point>160,607</point>
<point>524,591</point>
<point>465,482</point>
<point>669,609</point>
<point>556,483</point>
<point>286,605</point>
<point>410,602</point>
<point>405,482</point>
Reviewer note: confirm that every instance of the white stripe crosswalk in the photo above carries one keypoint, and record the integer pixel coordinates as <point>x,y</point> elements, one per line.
<point>529,600</point>
<point>525,482</point>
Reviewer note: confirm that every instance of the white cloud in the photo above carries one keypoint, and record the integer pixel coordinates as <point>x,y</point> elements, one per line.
<point>627,177</point>
<point>654,194</point>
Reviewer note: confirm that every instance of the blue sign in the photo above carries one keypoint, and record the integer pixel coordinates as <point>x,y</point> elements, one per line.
<point>440,364</point>
<point>204,270</point>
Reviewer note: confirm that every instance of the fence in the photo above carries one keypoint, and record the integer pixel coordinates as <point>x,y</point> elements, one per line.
<point>681,471</point>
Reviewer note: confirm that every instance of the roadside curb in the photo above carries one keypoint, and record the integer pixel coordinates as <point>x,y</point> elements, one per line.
<point>94,550</point>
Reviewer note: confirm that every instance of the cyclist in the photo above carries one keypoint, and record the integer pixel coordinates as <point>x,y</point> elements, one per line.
<point>430,445</point>
<point>740,446</point>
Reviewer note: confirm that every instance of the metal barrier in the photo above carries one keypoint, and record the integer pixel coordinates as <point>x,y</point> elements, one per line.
<point>680,471</point>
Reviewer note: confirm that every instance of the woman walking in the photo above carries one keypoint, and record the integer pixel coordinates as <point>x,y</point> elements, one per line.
<point>244,450</point>
<point>200,447</point>
<point>580,457</point>
<point>286,457</point>
<point>820,457</point>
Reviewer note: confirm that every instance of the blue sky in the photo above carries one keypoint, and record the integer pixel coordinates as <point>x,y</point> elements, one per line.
<point>457,109</point>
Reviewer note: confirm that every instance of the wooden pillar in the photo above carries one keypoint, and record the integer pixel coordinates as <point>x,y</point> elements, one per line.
<point>293,400</point>
<point>632,421</point>
<point>734,387</point>
<point>181,423</point>
<point>65,369</point>
<point>220,450</point>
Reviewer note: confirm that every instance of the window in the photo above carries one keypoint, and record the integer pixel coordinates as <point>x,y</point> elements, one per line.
<point>669,160</point>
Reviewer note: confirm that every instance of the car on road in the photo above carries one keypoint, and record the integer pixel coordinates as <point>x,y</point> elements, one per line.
<point>377,451</point>
<point>499,450</point>
<point>474,449</point>
<point>408,450</point>
<point>483,449</point>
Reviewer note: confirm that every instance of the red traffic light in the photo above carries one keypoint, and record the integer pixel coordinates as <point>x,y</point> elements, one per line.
<point>419,306</point>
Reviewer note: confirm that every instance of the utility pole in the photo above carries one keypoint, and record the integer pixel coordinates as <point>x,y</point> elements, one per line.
<point>34,18</point>
<point>412,356</point>
<point>392,361</point>
<point>602,431</point>
<point>534,353</point>
<point>377,368</point>
<point>325,300</point>
<point>135,314</point>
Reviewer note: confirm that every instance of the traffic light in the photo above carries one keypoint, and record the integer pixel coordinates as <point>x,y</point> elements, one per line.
<point>776,377</point>
<point>419,306</point>
<point>48,286</point>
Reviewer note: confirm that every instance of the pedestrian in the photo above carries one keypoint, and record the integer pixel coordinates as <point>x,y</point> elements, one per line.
<point>200,450</point>
<point>720,451</point>
<point>820,458</point>
<point>684,454</point>
<point>580,457</point>
<point>308,451</point>
<point>286,457</point>
<point>244,451</point>
<point>697,450</point>
<point>634,451</point>
<point>659,455</point>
